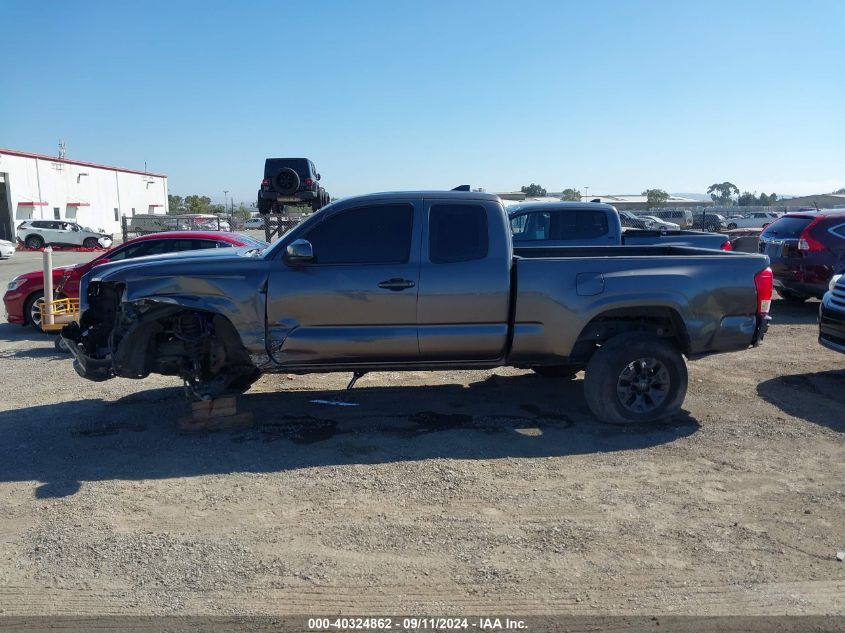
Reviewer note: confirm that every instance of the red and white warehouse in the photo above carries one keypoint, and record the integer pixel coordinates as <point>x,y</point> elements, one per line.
<point>94,195</point>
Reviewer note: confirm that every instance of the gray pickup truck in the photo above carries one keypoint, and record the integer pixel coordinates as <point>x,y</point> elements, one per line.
<point>424,280</point>
<point>596,224</point>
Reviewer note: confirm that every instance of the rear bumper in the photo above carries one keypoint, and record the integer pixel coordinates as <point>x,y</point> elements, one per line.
<point>799,287</point>
<point>831,326</point>
<point>299,196</point>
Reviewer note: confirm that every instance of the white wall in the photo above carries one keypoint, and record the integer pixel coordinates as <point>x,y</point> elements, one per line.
<point>57,183</point>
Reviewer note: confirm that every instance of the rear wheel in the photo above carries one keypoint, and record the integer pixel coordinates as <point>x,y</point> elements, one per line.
<point>635,378</point>
<point>788,295</point>
<point>732,226</point>
<point>35,242</point>
<point>712,228</point>
<point>555,371</point>
<point>264,207</point>
<point>90,242</point>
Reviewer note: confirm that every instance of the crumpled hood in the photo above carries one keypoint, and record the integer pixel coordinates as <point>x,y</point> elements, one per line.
<point>198,262</point>
<point>225,281</point>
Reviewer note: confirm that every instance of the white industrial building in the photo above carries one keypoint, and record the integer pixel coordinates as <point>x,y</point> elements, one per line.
<point>35,186</point>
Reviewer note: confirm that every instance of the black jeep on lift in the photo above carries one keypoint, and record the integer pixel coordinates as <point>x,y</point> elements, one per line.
<point>290,181</point>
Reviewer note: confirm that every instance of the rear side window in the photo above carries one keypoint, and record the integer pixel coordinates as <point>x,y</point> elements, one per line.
<point>838,230</point>
<point>366,235</point>
<point>531,226</point>
<point>457,233</point>
<point>580,225</point>
<point>787,228</point>
<point>299,165</point>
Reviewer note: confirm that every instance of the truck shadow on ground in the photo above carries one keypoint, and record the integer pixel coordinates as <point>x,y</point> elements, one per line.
<point>794,313</point>
<point>135,438</point>
<point>818,398</point>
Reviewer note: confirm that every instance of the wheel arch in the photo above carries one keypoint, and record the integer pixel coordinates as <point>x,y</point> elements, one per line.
<point>662,321</point>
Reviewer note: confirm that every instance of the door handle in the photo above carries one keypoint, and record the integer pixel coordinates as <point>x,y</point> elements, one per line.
<point>397,283</point>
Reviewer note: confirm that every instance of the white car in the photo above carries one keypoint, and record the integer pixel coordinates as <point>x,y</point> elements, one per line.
<point>653,223</point>
<point>254,223</point>
<point>756,220</point>
<point>36,234</point>
<point>7,249</point>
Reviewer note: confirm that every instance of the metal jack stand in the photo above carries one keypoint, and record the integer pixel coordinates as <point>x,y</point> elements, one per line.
<point>355,376</point>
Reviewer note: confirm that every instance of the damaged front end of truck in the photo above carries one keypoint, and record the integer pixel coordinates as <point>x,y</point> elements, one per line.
<point>120,337</point>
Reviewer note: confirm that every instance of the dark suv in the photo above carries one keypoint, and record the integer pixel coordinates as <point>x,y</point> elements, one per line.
<point>290,181</point>
<point>712,222</point>
<point>805,250</point>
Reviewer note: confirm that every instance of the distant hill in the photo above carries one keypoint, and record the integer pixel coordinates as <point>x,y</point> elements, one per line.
<point>694,196</point>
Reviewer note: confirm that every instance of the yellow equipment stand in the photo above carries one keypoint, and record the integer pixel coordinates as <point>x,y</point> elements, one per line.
<point>56,314</point>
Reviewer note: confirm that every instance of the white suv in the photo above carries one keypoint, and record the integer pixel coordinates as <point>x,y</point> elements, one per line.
<point>36,234</point>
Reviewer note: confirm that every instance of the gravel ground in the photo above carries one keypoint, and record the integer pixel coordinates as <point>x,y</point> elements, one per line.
<point>440,493</point>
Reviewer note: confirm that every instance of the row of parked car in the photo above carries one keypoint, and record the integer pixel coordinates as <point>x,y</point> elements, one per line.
<point>25,292</point>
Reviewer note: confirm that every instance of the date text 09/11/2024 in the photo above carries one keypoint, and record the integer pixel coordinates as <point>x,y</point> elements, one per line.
<point>414,624</point>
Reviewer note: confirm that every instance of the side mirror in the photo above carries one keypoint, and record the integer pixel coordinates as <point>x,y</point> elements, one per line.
<point>299,253</point>
<point>318,176</point>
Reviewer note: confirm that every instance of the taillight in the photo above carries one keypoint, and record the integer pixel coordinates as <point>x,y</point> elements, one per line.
<point>727,246</point>
<point>763,283</point>
<point>265,182</point>
<point>309,182</point>
<point>807,242</point>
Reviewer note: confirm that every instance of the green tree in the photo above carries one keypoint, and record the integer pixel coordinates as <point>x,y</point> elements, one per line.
<point>656,197</point>
<point>197,204</point>
<point>533,191</point>
<point>243,212</point>
<point>839,192</point>
<point>748,199</point>
<point>571,194</point>
<point>175,204</point>
<point>723,192</point>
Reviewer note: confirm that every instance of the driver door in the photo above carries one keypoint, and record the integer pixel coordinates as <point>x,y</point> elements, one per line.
<point>356,301</point>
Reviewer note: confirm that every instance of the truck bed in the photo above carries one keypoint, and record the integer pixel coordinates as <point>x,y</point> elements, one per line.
<point>560,290</point>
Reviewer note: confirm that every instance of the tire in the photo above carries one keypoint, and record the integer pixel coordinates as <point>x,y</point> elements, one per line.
<point>30,309</point>
<point>712,228</point>
<point>731,226</point>
<point>555,371</point>
<point>34,242</point>
<point>792,297</point>
<point>264,207</point>
<point>287,181</point>
<point>90,242</point>
<point>316,204</point>
<point>612,371</point>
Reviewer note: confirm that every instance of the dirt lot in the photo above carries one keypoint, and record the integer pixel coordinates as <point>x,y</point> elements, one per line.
<point>441,493</point>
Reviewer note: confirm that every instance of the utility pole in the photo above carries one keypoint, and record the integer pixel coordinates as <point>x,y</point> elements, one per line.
<point>225,200</point>
<point>586,194</point>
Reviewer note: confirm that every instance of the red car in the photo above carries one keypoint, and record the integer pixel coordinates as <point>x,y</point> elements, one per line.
<point>25,291</point>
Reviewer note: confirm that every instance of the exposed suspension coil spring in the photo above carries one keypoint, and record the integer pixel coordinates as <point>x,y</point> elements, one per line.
<point>190,331</point>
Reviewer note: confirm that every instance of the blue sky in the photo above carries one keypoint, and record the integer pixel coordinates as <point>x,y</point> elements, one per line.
<point>619,95</point>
